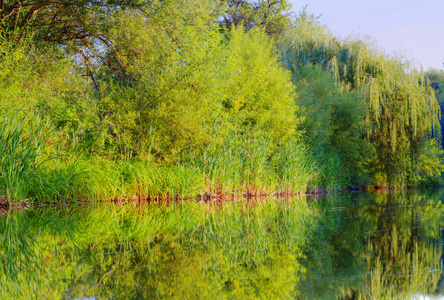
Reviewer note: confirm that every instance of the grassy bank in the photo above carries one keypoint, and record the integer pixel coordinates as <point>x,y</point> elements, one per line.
<point>31,169</point>
<point>248,165</point>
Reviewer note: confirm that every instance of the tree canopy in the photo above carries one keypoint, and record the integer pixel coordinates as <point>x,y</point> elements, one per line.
<point>273,15</point>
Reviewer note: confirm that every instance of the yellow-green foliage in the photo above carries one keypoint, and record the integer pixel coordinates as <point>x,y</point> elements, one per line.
<point>16,69</point>
<point>254,89</point>
<point>19,83</point>
<point>177,85</point>
<point>47,83</point>
<point>161,79</point>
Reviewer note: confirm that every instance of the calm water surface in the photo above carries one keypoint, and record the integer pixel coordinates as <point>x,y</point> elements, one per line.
<point>385,245</point>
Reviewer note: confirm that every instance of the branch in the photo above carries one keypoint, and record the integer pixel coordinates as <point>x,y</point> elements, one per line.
<point>31,13</point>
<point>89,71</point>
<point>169,89</point>
<point>9,11</point>
<point>106,274</point>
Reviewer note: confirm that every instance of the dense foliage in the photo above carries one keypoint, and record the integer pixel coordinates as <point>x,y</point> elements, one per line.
<point>401,115</point>
<point>181,98</point>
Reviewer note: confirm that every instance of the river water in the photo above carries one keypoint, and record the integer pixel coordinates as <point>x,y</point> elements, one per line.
<point>379,245</point>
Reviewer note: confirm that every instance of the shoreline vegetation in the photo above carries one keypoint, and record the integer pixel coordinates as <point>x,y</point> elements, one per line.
<point>178,99</point>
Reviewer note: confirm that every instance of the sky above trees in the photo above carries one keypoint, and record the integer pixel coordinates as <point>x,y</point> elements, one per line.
<point>409,28</point>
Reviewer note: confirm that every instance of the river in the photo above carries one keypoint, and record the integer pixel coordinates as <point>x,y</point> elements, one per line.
<point>358,245</point>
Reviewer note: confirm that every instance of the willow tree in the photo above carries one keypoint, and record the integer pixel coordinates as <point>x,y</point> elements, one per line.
<point>401,114</point>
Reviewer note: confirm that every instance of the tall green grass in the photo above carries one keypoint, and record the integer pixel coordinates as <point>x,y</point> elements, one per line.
<point>295,166</point>
<point>31,169</point>
<point>330,171</point>
<point>21,159</point>
<point>238,164</point>
<point>253,163</point>
<point>135,180</point>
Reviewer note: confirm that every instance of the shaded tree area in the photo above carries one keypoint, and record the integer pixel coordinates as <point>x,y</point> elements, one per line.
<point>59,22</point>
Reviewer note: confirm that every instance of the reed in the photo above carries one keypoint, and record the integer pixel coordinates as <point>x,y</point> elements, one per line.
<point>249,163</point>
<point>137,180</point>
<point>295,166</point>
<point>21,154</point>
<point>331,171</point>
<point>254,164</point>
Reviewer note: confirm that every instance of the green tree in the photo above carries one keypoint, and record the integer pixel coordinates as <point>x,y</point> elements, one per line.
<point>254,89</point>
<point>155,79</point>
<point>169,76</point>
<point>435,79</point>
<point>273,15</point>
<point>334,119</point>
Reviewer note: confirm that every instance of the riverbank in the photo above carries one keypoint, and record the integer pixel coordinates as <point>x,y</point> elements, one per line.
<point>83,179</point>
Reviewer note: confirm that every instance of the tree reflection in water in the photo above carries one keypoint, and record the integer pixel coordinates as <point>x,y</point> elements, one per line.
<point>384,245</point>
<point>350,245</point>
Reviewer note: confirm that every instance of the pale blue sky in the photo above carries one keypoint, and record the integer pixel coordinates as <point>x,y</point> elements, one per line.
<point>413,28</point>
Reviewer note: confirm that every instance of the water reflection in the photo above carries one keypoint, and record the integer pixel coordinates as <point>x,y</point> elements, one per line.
<point>386,245</point>
<point>350,245</point>
<point>183,250</point>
